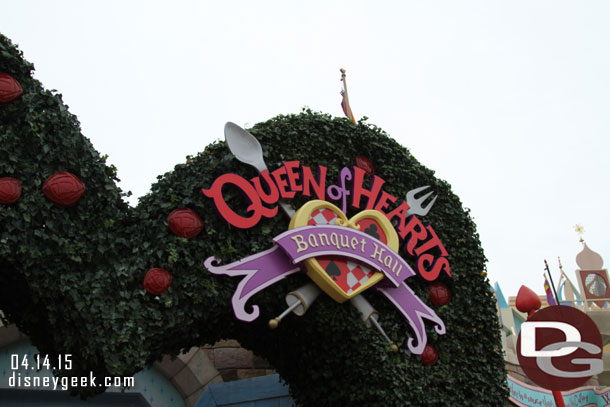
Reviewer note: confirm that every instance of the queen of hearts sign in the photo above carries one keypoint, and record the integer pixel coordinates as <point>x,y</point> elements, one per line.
<point>343,257</point>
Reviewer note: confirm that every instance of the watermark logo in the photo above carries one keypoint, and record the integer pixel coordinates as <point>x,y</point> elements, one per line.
<point>560,348</point>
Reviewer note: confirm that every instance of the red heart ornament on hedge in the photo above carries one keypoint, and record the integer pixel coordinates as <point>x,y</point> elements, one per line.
<point>10,190</point>
<point>184,222</point>
<point>365,164</point>
<point>63,189</point>
<point>340,278</point>
<point>429,356</point>
<point>157,281</point>
<point>527,300</point>
<point>439,293</point>
<point>9,89</point>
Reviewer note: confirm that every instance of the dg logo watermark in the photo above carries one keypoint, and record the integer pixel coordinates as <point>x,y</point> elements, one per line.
<point>560,348</point>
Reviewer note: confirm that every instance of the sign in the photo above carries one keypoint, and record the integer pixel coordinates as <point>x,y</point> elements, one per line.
<point>344,257</point>
<point>560,348</point>
<point>525,395</point>
<point>337,240</point>
<point>421,242</point>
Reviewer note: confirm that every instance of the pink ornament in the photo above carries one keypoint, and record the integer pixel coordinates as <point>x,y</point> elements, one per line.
<point>157,281</point>
<point>185,222</point>
<point>429,356</point>
<point>10,190</point>
<point>63,189</point>
<point>9,89</point>
<point>439,293</point>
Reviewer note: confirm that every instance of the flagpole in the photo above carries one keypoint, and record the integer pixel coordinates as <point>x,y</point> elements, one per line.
<point>347,107</point>
<point>546,266</point>
<point>344,82</point>
<point>561,267</point>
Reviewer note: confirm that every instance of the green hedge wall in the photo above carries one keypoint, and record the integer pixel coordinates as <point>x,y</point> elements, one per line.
<point>71,278</point>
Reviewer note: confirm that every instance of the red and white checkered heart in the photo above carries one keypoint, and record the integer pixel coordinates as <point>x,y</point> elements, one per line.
<point>340,278</point>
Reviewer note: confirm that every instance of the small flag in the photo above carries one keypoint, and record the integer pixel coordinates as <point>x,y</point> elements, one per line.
<point>570,291</point>
<point>345,101</point>
<point>549,294</point>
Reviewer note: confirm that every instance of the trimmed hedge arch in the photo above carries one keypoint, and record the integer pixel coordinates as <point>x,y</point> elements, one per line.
<point>71,278</point>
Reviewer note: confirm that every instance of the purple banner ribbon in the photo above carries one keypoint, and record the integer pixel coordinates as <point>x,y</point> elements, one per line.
<point>270,266</point>
<point>260,270</point>
<point>415,311</point>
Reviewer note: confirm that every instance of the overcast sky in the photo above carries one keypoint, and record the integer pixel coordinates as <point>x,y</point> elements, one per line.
<point>507,101</point>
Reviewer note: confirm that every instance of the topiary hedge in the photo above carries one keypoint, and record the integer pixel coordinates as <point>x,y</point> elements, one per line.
<point>71,278</point>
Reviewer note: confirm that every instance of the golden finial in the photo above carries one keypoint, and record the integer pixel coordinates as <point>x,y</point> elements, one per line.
<point>580,230</point>
<point>560,266</point>
<point>273,323</point>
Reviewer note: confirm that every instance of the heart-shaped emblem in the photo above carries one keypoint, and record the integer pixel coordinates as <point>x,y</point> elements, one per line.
<point>340,278</point>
